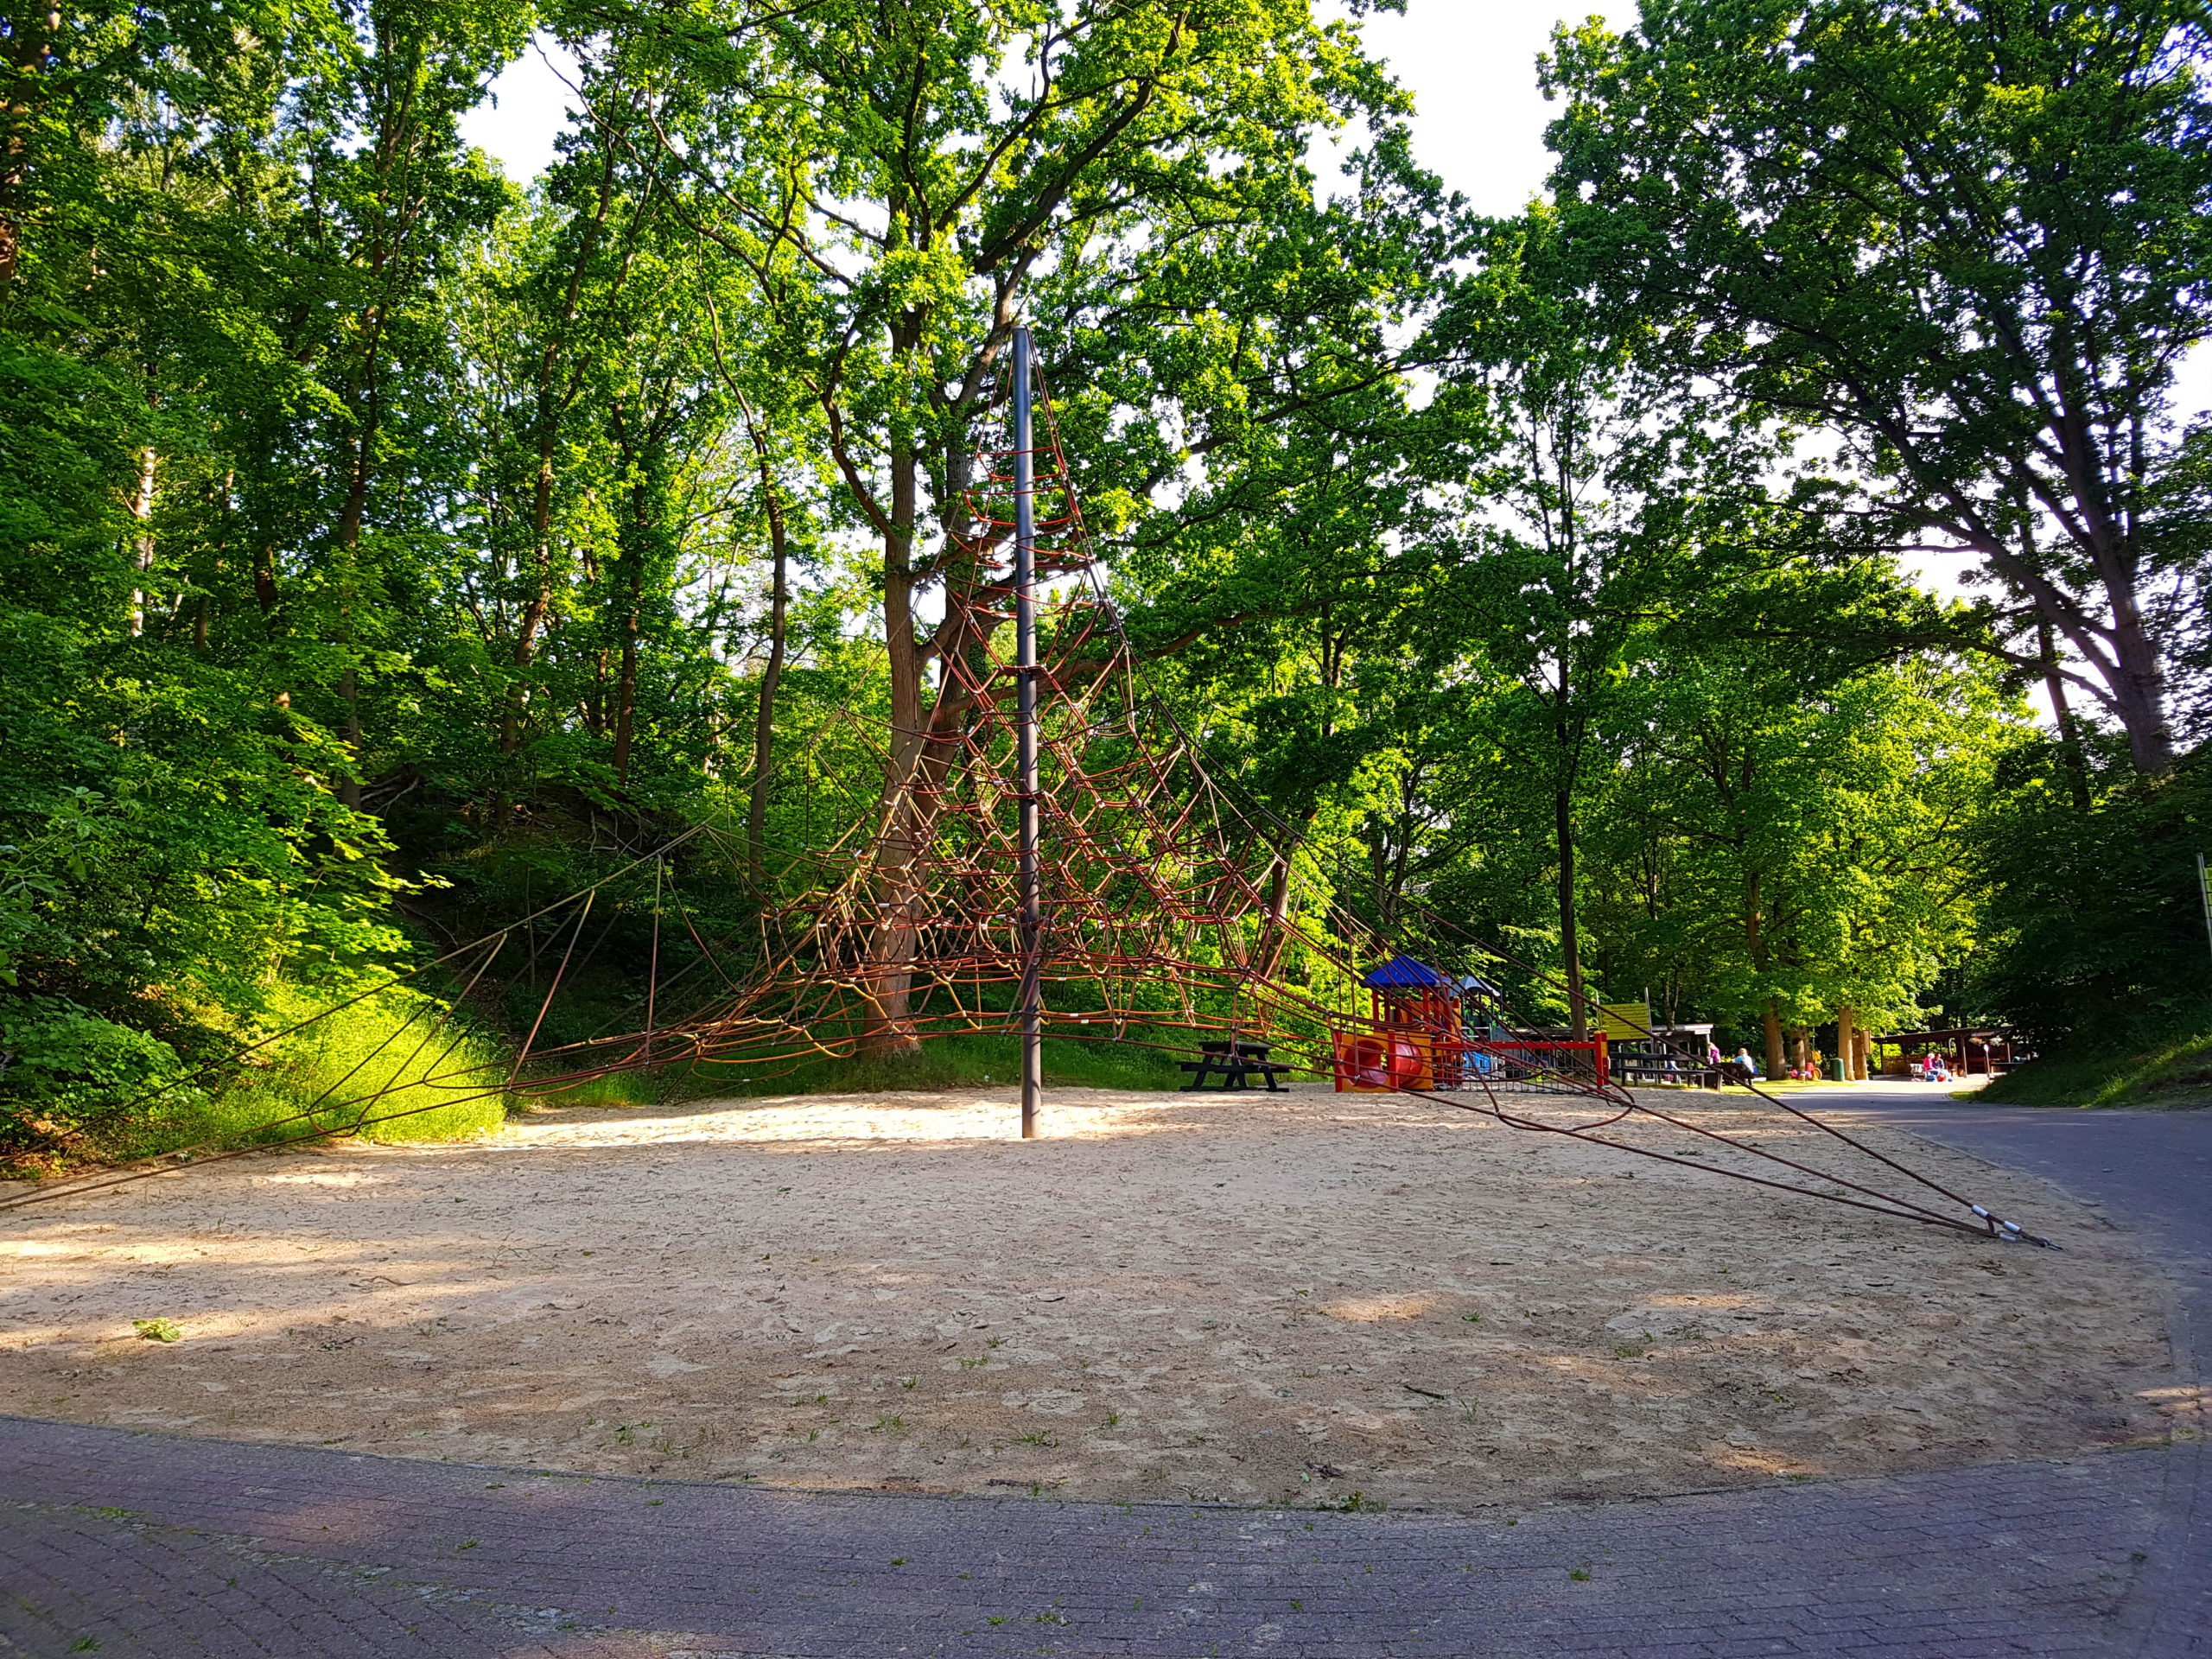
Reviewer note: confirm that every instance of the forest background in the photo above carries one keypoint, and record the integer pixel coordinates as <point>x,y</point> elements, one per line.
<point>387,549</point>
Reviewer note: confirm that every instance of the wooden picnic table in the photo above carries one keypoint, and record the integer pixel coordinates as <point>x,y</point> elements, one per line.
<point>1234,1062</point>
<point>1633,1061</point>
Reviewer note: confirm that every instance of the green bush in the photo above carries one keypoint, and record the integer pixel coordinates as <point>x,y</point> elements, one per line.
<point>2173,1067</point>
<point>65,1073</point>
<point>2097,941</point>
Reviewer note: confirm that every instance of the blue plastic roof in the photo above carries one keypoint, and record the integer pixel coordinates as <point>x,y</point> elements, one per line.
<point>1404,974</point>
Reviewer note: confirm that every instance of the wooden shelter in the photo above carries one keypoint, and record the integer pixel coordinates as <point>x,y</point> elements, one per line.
<point>1970,1051</point>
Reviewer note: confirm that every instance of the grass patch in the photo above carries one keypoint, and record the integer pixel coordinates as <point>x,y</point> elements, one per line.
<point>2169,1068</point>
<point>972,1060</point>
<point>617,1089</point>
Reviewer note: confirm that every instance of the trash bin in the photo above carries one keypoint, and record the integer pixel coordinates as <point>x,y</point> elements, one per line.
<point>1835,1069</point>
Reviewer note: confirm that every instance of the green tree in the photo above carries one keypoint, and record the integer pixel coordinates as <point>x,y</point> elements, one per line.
<point>1971,240</point>
<point>900,195</point>
<point>1789,836</point>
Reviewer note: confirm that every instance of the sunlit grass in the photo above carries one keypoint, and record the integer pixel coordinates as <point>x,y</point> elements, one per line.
<point>397,1066</point>
<point>616,1088</point>
<point>403,1065</point>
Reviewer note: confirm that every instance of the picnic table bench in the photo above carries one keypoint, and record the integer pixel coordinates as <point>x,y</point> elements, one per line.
<point>1234,1062</point>
<point>1637,1064</point>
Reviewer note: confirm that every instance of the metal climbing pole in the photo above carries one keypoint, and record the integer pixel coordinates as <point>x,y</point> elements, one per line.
<point>1025,727</point>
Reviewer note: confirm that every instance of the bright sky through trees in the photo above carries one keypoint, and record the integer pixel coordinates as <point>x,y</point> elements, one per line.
<point>1479,118</point>
<point>1471,63</point>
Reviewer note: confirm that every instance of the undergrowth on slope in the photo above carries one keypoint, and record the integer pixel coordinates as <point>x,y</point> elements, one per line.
<point>395,1067</point>
<point>2170,1065</point>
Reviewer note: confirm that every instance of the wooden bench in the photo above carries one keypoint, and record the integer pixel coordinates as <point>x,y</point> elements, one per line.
<point>1234,1062</point>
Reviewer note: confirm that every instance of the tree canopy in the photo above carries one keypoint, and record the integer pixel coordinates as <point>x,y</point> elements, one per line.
<point>1970,243</point>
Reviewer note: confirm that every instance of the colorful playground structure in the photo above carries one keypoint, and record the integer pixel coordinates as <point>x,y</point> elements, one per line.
<point>1429,1029</point>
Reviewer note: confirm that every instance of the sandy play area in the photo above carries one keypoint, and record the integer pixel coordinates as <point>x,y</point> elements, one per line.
<point>1249,1298</point>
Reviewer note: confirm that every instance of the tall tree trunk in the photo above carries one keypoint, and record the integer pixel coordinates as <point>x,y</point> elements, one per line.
<point>351,518</point>
<point>1847,1045</point>
<point>2070,737</point>
<point>355,510</point>
<point>1754,935</point>
<point>626,678</point>
<point>591,706</point>
<point>645,464</point>
<point>551,404</point>
<point>540,589</point>
<point>764,720</point>
<point>2139,688</point>
<point>349,693</point>
<point>1275,931</point>
<point>31,41</point>
<point>922,751</point>
<point>1569,941</point>
<point>626,697</point>
<point>886,1026</point>
<point>264,580</point>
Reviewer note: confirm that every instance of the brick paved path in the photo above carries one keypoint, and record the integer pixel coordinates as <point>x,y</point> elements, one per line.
<point>200,1547</point>
<point>2150,1172</point>
<point>173,1549</point>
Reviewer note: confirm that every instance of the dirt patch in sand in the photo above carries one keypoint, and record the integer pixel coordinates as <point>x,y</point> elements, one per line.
<point>1248,1297</point>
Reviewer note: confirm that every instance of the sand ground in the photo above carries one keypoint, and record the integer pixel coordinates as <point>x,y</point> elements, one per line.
<point>1250,1298</point>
